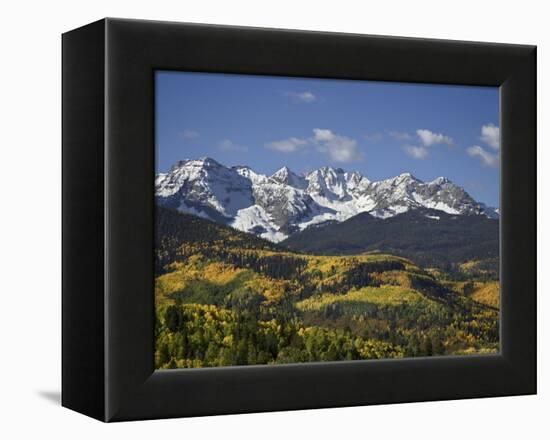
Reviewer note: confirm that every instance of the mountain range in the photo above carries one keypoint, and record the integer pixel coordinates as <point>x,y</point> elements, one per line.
<point>281,205</point>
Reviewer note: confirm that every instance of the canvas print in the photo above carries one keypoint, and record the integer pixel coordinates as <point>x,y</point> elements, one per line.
<point>317,220</point>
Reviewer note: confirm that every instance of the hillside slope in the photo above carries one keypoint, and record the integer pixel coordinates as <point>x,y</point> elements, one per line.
<point>228,298</point>
<point>177,234</point>
<point>428,237</point>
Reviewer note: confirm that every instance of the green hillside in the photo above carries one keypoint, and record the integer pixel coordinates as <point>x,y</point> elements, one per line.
<point>224,297</point>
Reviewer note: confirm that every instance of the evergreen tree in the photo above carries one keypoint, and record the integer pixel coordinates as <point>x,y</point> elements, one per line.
<point>171,318</point>
<point>164,354</point>
<point>427,349</point>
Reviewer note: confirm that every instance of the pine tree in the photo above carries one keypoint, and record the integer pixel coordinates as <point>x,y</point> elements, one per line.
<point>171,318</point>
<point>164,354</point>
<point>427,349</point>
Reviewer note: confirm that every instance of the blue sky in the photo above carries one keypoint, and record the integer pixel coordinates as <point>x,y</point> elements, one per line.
<point>380,129</point>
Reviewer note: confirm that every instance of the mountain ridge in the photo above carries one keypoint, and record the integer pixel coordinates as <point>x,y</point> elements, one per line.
<point>428,237</point>
<point>277,206</point>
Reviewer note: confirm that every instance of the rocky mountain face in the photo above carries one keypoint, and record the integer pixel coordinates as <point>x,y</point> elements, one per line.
<point>278,206</point>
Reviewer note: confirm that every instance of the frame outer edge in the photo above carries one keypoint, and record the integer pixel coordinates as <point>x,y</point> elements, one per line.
<point>134,391</point>
<point>83,341</point>
<point>107,406</point>
<point>519,225</point>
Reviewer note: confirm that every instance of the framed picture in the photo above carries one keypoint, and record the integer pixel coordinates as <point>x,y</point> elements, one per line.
<point>262,220</point>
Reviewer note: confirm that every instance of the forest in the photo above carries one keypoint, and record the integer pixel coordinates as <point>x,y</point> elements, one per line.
<point>225,297</point>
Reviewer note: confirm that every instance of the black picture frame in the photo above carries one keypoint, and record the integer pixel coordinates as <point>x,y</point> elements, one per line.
<point>108,214</point>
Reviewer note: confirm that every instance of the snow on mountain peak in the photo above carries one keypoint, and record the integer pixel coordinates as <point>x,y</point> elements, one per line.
<point>405,177</point>
<point>203,162</point>
<point>282,175</point>
<point>440,181</point>
<point>248,173</point>
<point>287,177</point>
<point>284,171</point>
<point>276,206</point>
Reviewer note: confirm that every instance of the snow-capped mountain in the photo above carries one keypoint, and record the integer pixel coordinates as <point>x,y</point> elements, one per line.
<point>279,205</point>
<point>284,175</point>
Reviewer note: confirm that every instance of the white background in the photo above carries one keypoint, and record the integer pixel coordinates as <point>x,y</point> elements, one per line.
<point>30,251</point>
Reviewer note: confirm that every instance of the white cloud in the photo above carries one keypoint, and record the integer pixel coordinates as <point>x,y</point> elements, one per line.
<point>289,145</point>
<point>339,148</point>
<point>487,158</point>
<point>426,138</point>
<point>306,97</point>
<point>189,134</point>
<point>429,138</point>
<point>323,135</point>
<point>490,134</point>
<point>228,145</point>
<point>415,151</point>
<point>400,136</point>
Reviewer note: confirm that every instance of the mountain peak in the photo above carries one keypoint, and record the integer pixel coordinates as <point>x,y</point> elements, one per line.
<point>286,176</point>
<point>248,173</point>
<point>356,177</point>
<point>407,175</point>
<point>208,161</point>
<point>404,177</point>
<point>281,172</point>
<point>202,162</point>
<point>329,169</point>
<point>440,181</point>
